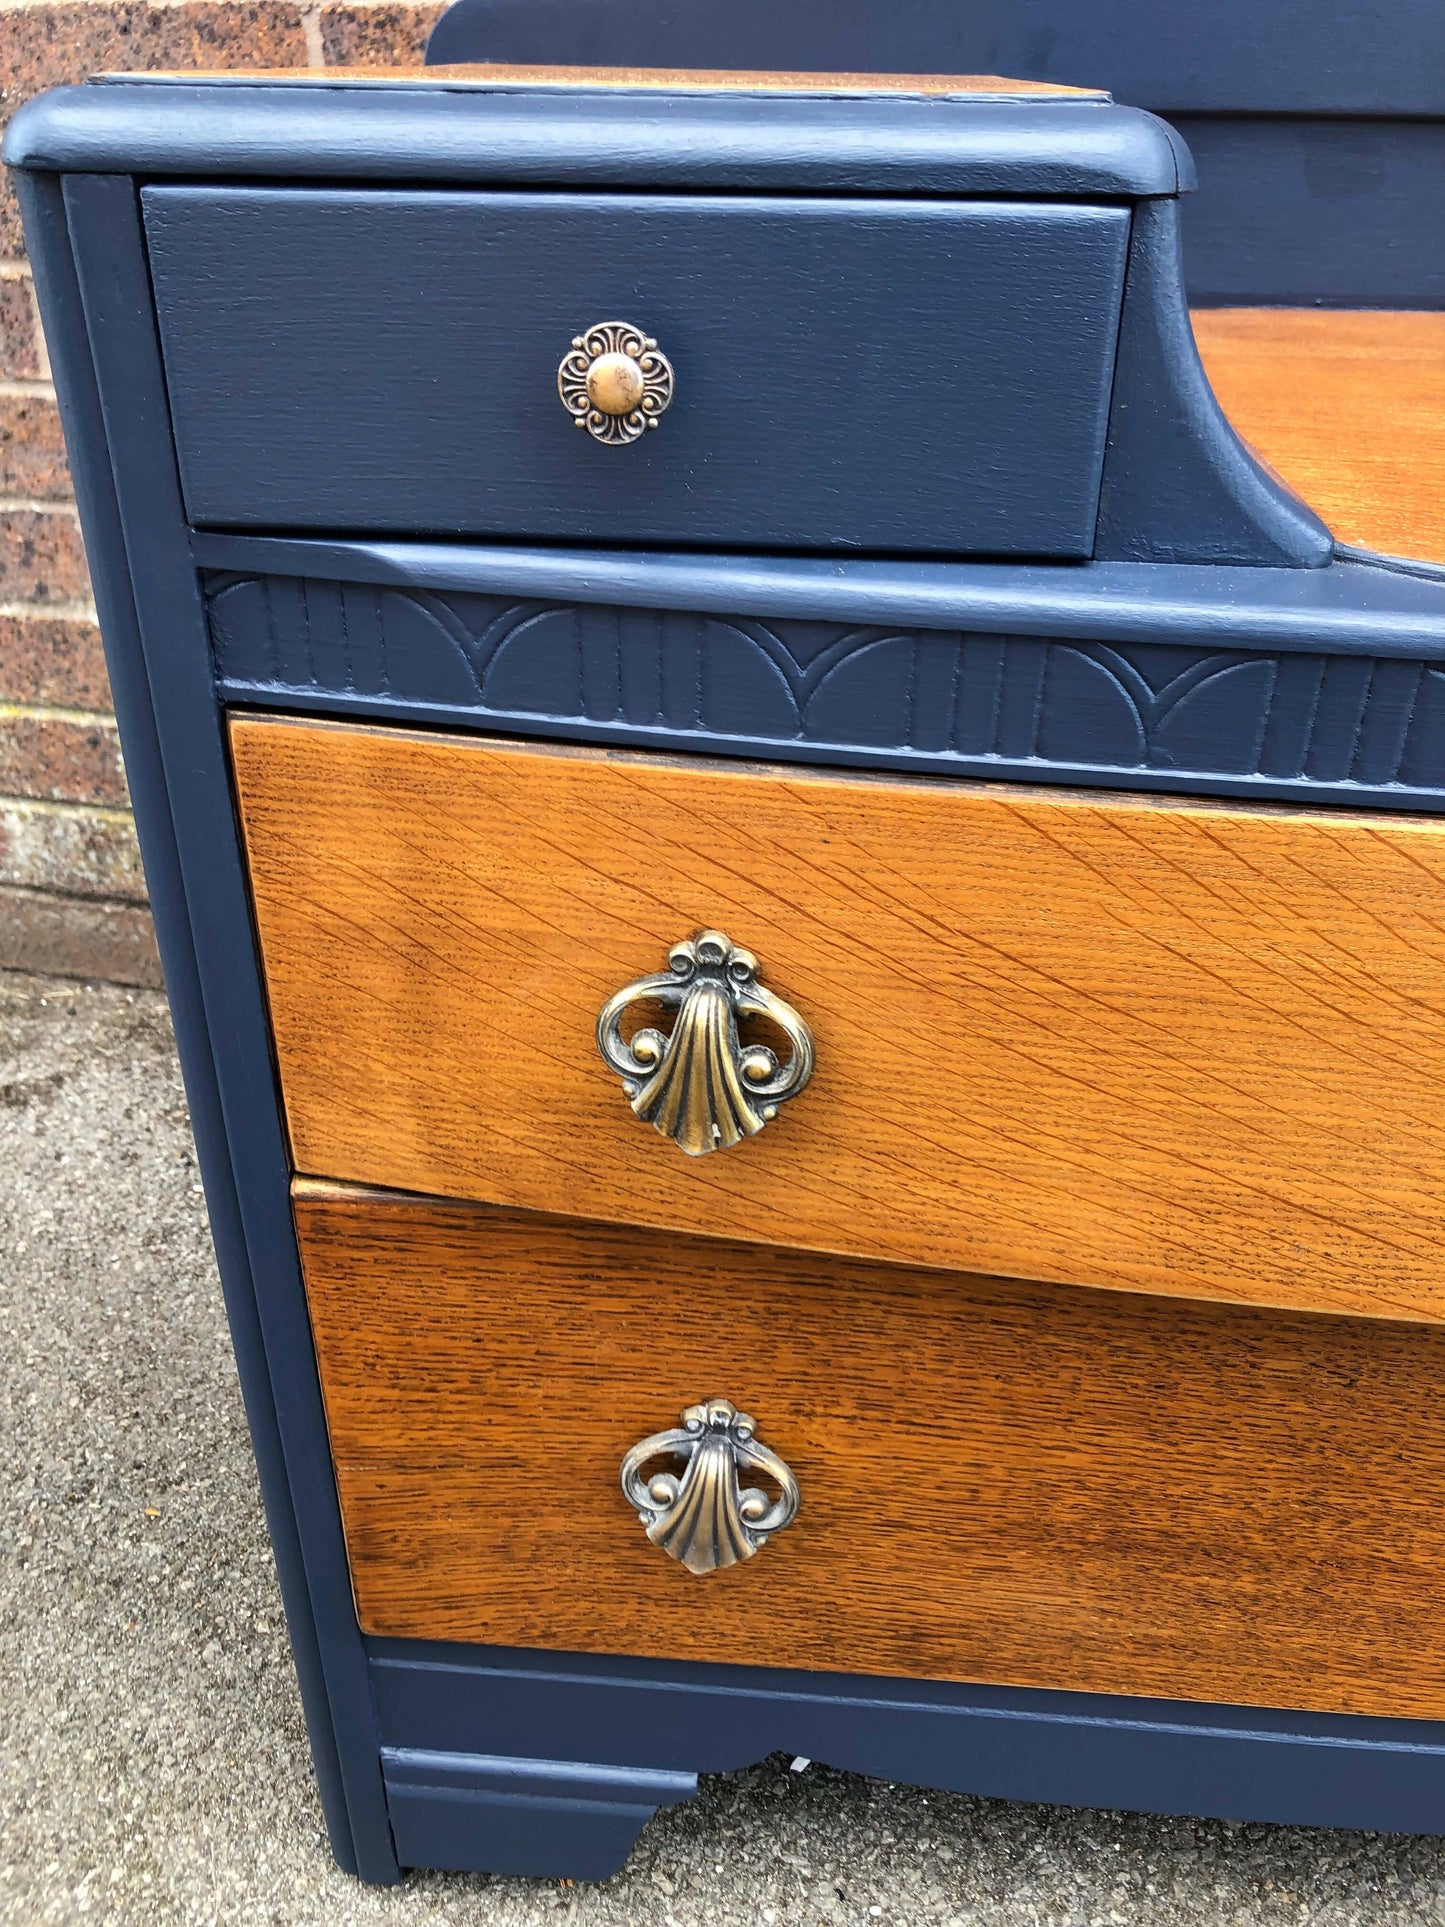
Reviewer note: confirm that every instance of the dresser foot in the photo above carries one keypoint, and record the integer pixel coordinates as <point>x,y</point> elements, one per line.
<point>488,1813</point>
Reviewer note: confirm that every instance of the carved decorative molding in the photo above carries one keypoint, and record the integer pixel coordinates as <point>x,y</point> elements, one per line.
<point>1023,705</point>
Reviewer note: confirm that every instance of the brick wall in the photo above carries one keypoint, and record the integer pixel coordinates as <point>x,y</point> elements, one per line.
<point>72,895</point>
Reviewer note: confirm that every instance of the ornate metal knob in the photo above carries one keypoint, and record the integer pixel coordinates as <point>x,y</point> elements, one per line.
<point>614,382</point>
<point>703,1519</point>
<point>702,1087</point>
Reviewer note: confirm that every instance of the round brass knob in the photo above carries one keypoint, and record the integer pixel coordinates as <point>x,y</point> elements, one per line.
<point>615,382</point>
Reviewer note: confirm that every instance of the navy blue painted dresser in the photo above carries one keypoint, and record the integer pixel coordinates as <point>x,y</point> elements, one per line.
<point>806,916</point>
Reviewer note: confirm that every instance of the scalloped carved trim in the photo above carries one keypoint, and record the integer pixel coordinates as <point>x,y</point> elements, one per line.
<point>1014,700</point>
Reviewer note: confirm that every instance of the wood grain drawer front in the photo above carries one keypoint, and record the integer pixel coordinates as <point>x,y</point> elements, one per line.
<point>999,1482</point>
<point>891,374</point>
<point>1187,1049</point>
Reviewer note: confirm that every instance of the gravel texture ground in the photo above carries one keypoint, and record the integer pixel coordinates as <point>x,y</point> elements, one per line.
<point>153,1764</point>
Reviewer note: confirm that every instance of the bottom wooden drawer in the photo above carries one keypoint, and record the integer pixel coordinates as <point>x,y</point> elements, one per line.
<point>1000,1482</point>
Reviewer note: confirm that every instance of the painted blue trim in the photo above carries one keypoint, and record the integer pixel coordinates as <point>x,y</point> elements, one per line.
<point>1351,607</point>
<point>1319,727</point>
<point>1179,485</point>
<point>1308,212</point>
<point>1305,793</point>
<point>1079,1749</point>
<point>59,293</point>
<point>464,135</point>
<point>487,1813</point>
<point>103,218</point>
<point>653,1786</point>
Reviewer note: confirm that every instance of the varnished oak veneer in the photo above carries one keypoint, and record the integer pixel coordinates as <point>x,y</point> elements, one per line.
<point>685,80</point>
<point>1000,1482</point>
<point>1182,1048</point>
<point>1349,407</point>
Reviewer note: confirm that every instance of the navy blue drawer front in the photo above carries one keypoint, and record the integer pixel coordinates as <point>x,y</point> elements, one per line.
<point>888,375</point>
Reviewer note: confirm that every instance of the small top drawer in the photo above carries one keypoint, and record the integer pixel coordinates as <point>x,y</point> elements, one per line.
<point>886,374</point>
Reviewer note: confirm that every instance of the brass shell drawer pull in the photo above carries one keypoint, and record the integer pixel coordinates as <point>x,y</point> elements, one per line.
<point>615,382</point>
<point>702,1517</point>
<point>702,1086</point>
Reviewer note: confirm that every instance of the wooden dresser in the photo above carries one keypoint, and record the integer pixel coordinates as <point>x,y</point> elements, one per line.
<point>806,915</point>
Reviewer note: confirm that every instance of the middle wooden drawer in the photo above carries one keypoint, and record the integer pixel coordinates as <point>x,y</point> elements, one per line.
<point>994,1481</point>
<point>1182,1048</point>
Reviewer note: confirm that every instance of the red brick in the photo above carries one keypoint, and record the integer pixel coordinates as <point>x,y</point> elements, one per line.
<point>56,936</point>
<point>32,449</point>
<point>376,36</point>
<point>52,45</point>
<point>76,849</point>
<point>52,659</point>
<point>19,328</point>
<point>42,558</point>
<point>56,759</point>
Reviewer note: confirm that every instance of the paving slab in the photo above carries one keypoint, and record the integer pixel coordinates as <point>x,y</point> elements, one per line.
<point>153,1762</point>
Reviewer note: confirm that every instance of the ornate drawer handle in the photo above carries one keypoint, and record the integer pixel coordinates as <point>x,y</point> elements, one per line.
<point>614,382</point>
<point>701,1086</point>
<point>703,1519</point>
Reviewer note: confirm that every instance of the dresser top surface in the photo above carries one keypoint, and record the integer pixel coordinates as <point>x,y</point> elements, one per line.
<point>494,76</point>
<point>1346,405</point>
<point>543,127</point>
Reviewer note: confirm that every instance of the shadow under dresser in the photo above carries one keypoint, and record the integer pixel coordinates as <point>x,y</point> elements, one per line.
<point>806,915</point>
